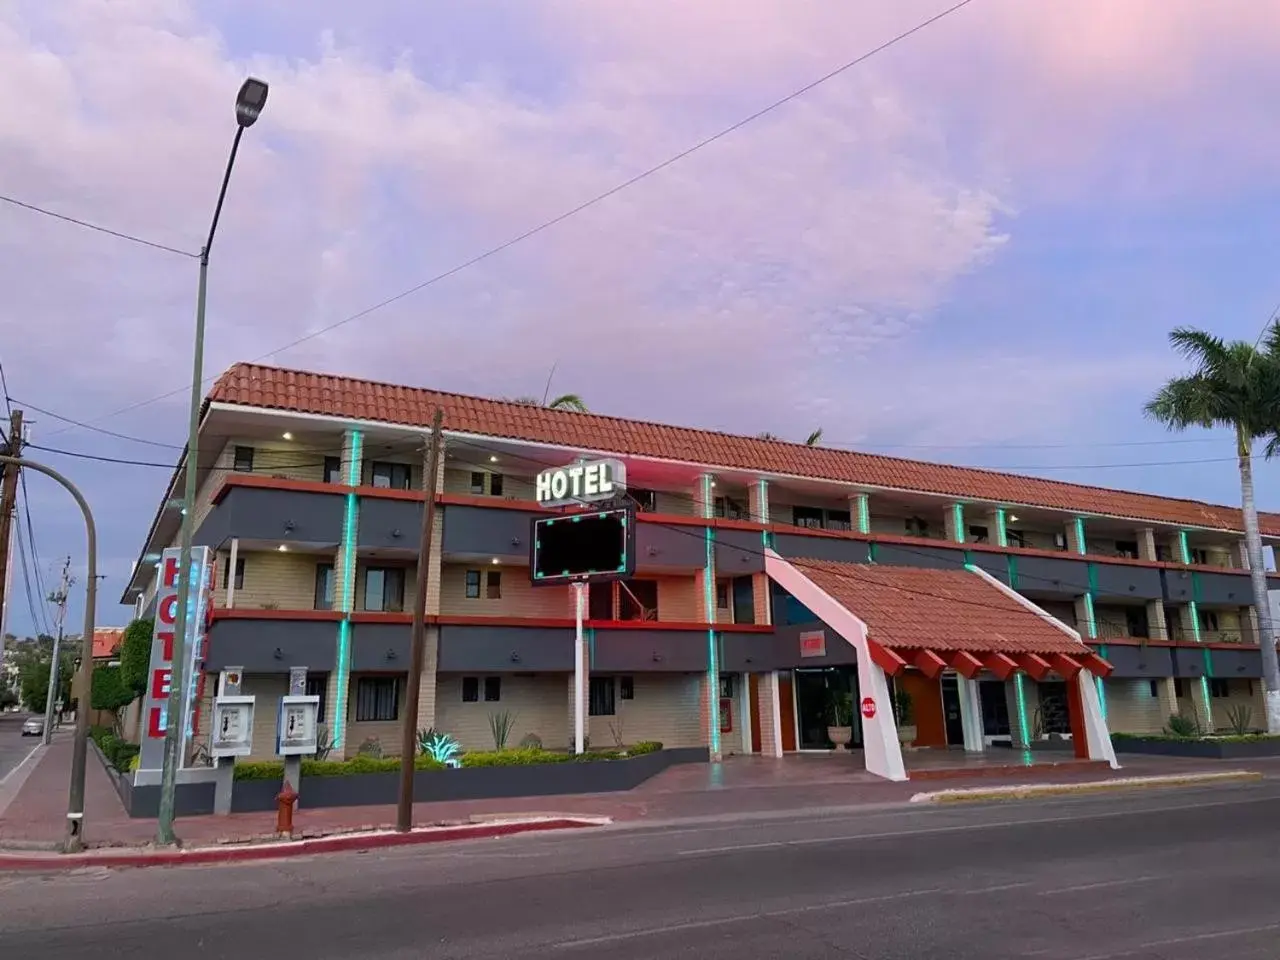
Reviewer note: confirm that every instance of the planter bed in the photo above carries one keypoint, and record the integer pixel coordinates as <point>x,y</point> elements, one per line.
<point>430,785</point>
<point>1214,748</point>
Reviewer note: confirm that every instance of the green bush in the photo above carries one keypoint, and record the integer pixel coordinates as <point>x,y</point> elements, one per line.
<point>274,769</point>
<point>1213,738</point>
<point>119,753</point>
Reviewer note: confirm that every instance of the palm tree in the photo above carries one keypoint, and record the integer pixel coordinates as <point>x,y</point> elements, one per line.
<point>815,438</point>
<point>1234,385</point>
<point>567,401</point>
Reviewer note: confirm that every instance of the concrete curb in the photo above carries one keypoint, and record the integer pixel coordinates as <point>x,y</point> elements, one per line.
<point>1033,790</point>
<point>285,849</point>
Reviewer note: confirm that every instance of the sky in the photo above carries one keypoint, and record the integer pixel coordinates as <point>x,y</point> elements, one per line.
<point>968,248</point>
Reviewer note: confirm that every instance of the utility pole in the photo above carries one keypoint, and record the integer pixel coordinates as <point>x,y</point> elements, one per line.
<point>59,600</point>
<point>9,502</point>
<point>409,733</point>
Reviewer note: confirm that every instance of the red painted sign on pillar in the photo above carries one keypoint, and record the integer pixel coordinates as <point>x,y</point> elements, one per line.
<point>868,707</point>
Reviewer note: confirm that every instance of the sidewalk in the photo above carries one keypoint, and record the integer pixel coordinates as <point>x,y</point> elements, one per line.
<point>741,785</point>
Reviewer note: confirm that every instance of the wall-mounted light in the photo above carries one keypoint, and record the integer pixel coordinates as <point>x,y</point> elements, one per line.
<point>288,526</point>
<point>278,654</point>
<point>391,654</point>
<point>286,435</point>
<point>493,459</point>
<point>1012,518</point>
<point>283,548</point>
<point>515,657</point>
<point>495,561</point>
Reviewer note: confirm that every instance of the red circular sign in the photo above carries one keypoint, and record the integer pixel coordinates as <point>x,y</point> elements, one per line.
<point>868,707</point>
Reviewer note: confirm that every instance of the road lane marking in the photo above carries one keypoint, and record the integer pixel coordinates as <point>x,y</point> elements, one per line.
<point>21,763</point>
<point>963,827</point>
<point>1097,886</point>
<point>1181,941</point>
<point>740,918</point>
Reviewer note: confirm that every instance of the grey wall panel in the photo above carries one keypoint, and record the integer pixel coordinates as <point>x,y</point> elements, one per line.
<point>1224,588</point>
<point>286,516</point>
<point>749,653</point>
<point>272,646</point>
<point>490,531</point>
<point>1133,662</point>
<point>838,549</point>
<point>649,651</point>
<point>1188,662</point>
<point>1237,664</point>
<point>1122,580</point>
<point>479,649</point>
<point>995,564</point>
<point>1053,577</point>
<point>382,647</point>
<point>739,552</point>
<point>389,524</point>
<point>932,558</point>
<point>674,546</point>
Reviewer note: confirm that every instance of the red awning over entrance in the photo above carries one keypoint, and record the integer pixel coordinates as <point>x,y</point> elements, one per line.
<point>932,619</point>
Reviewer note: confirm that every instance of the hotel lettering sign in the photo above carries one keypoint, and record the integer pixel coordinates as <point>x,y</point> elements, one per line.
<point>581,483</point>
<point>813,643</point>
<point>155,708</point>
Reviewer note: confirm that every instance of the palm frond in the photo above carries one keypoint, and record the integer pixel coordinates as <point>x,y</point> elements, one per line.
<point>568,401</point>
<point>815,438</point>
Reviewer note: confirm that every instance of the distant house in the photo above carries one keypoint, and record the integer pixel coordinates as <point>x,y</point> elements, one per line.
<point>106,650</point>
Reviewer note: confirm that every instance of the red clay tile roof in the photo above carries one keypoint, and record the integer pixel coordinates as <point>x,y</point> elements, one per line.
<point>300,392</point>
<point>909,608</point>
<point>106,642</point>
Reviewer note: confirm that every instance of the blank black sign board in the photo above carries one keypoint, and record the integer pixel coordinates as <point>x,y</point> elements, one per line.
<point>595,545</point>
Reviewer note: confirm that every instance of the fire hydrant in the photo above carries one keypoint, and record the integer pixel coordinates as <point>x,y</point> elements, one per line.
<point>285,800</point>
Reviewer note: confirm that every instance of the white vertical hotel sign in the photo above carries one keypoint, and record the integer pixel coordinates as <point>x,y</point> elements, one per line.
<point>155,708</point>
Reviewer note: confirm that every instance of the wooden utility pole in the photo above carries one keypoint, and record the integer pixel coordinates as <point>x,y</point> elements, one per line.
<point>9,500</point>
<point>418,642</point>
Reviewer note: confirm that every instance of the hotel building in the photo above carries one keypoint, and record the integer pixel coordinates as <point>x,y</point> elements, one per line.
<point>772,581</point>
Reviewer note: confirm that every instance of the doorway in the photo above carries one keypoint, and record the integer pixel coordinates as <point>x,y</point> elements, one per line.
<point>951,715</point>
<point>817,689</point>
<point>995,712</point>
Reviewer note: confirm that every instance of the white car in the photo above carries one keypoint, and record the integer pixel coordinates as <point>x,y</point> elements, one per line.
<point>33,727</point>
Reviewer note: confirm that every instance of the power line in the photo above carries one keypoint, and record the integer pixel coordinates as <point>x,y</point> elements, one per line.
<point>89,426</point>
<point>585,205</point>
<point>39,623</point>
<point>31,542</point>
<point>94,226</point>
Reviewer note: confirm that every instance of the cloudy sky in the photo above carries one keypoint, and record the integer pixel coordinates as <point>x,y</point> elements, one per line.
<point>968,248</point>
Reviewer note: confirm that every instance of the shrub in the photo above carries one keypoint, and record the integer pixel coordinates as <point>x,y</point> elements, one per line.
<point>371,747</point>
<point>135,656</point>
<point>530,741</point>
<point>500,725</point>
<point>274,769</point>
<point>121,754</point>
<point>1181,725</point>
<point>1240,719</point>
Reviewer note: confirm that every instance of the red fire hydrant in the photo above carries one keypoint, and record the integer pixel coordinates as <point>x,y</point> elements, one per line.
<point>285,800</point>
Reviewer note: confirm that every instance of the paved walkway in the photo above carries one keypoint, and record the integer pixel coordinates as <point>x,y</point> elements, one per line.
<point>35,816</point>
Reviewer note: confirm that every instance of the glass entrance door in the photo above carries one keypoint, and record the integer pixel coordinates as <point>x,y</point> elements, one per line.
<point>817,690</point>
<point>995,712</point>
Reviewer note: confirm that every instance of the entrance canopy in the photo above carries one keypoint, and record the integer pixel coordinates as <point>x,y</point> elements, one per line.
<point>901,618</point>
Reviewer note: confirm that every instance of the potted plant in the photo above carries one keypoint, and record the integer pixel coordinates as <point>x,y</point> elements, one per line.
<point>840,718</point>
<point>904,716</point>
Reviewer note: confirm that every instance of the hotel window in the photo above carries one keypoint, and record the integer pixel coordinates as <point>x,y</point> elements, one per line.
<point>1209,621</point>
<point>917,527</point>
<point>722,595</point>
<point>1179,688</point>
<point>1018,538</point>
<point>473,584</point>
<point>470,689</point>
<point>384,589</point>
<point>332,469</point>
<point>839,520</point>
<point>808,517</point>
<point>638,599</point>
<point>243,460</point>
<point>1155,689</point>
<point>226,572</point>
<point>1136,622</point>
<point>646,500</point>
<point>495,484</point>
<point>1200,556</point>
<point>730,509</point>
<point>1127,549</point>
<point>377,699</point>
<point>600,698</point>
<point>493,585</point>
<point>1059,541</point>
<point>492,689</point>
<point>626,688</point>
<point>318,686</point>
<point>1163,553</point>
<point>324,586</point>
<point>600,601</point>
<point>389,476</point>
<point>477,482</point>
<point>979,534</point>
<point>1219,689</point>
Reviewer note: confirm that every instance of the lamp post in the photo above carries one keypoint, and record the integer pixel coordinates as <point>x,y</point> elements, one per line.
<point>249,103</point>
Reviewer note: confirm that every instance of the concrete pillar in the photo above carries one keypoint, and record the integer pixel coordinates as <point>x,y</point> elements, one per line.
<point>344,590</point>
<point>997,522</point>
<point>1249,630</point>
<point>1158,629</point>
<point>1182,549</point>
<point>954,524</point>
<point>1146,544</point>
<point>1167,694</point>
<point>758,507</point>
<point>971,715</point>
<point>744,710</point>
<point>705,500</point>
<point>860,512</point>
<point>770,707</point>
<point>1240,555</point>
<point>1076,539</point>
<point>758,502</point>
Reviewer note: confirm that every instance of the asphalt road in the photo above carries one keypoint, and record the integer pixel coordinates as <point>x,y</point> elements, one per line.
<point>14,747</point>
<point>1175,875</point>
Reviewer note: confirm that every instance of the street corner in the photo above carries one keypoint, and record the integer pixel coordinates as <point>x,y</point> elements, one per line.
<point>1031,791</point>
<point>273,848</point>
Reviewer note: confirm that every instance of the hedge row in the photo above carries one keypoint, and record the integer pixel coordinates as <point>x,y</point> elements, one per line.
<point>1205,738</point>
<point>119,753</point>
<point>356,766</point>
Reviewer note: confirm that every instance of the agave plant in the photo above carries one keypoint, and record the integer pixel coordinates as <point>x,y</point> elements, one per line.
<point>440,747</point>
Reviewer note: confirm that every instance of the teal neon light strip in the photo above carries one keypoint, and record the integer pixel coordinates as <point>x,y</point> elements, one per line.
<point>762,511</point>
<point>1102,689</point>
<point>347,588</point>
<point>957,522</point>
<point>1090,620</point>
<point>863,505</point>
<point>1081,545</point>
<point>1184,548</point>
<point>1020,695</point>
<point>1002,527</point>
<point>709,601</point>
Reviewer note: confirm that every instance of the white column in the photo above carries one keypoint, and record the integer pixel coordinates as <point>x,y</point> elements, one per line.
<point>231,573</point>
<point>774,745</point>
<point>1146,544</point>
<point>954,523</point>
<point>860,512</point>
<point>881,749</point>
<point>1096,734</point>
<point>971,715</point>
<point>744,710</point>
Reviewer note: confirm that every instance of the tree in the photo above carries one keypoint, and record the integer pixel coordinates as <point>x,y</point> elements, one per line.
<point>135,656</point>
<point>815,438</point>
<point>32,661</point>
<point>566,401</point>
<point>108,691</point>
<point>1234,385</point>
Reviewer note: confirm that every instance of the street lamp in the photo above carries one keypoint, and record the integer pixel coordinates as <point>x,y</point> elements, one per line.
<point>249,103</point>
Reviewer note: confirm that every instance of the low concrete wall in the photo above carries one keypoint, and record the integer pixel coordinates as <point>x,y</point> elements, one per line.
<point>480,783</point>
<point>1207,748</point>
